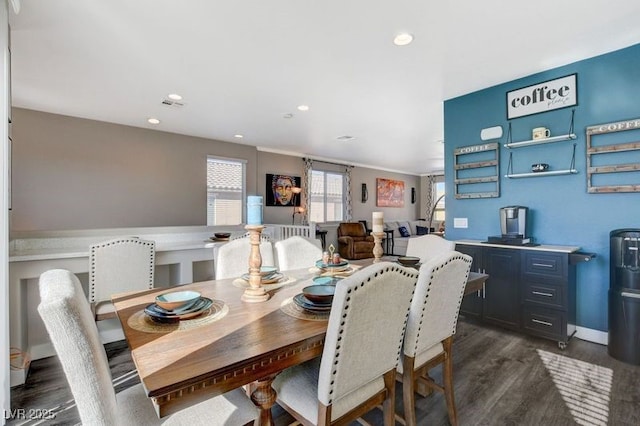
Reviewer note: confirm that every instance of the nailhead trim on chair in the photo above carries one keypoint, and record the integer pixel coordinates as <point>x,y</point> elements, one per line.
<point>466,278</point>
<point>424,305</point>
<point>92,273</point>
<point>404,272</point>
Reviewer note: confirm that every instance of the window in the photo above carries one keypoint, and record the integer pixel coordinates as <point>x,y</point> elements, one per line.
<point>438,214</point>
<point>326,199</point>
<point>225,191</point>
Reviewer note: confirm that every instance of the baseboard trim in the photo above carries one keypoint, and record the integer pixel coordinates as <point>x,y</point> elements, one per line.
<point>18,377</point>
<point>112,335</point>
<point>45,350</point>
<point>42,350</point>
<point>592,335</point>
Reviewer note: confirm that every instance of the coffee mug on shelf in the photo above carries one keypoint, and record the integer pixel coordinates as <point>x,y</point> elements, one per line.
<point>540,133</point>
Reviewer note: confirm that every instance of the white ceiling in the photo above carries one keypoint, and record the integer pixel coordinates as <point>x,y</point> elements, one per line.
<point>241,65</point>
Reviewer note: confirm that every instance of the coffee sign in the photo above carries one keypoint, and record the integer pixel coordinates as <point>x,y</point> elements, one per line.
<point>547,96</point>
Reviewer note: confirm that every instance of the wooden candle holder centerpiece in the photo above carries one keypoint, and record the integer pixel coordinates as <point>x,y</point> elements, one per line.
<point>255,292</point>
<point>377,248</point>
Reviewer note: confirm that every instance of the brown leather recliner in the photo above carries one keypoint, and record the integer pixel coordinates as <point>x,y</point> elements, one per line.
<point>353,241</point>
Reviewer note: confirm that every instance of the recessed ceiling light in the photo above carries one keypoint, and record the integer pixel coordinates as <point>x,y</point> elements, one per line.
<point>287,115</point>
<point>402,39</point>
<point>174,96</point>
<point>153,121</point>
<point>303,107</point>
<point>345,138</point>
<point>239,136</point>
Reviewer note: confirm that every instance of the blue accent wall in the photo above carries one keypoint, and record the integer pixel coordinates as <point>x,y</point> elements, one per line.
<point>561,210</point>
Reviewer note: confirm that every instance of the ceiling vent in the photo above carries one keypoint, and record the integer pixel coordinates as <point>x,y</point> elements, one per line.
<point>172,103</point>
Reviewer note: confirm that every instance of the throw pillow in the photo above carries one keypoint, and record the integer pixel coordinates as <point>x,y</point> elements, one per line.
<point>422,230</point>
<point>403,231</point>
<point>406,225</point>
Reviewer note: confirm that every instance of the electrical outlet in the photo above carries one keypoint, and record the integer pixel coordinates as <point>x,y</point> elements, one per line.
<point>460,222</point>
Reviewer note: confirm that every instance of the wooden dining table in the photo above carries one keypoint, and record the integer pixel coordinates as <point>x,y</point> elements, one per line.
<point>249,344</point>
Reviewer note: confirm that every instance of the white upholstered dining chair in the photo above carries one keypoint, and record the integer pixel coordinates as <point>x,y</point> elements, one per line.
<point>362,348</point>
<point>430,328</point>
<point>297,252</point>
<point>429,246</point>
<point>116,266</point>
<point>74,334</point>
<point>232,258</point>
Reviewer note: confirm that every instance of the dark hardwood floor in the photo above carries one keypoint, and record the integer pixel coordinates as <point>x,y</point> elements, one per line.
<point>501,378</point>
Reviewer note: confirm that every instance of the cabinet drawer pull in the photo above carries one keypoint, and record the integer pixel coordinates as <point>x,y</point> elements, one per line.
<point>540,293</point>
<point>548,324</point>
<point>546,265</point>
<point>632,295</point>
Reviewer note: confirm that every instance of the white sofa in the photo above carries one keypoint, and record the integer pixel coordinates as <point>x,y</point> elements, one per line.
<point>414,229</point>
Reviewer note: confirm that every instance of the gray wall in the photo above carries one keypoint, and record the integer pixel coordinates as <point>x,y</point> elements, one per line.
<point>363,211</point>
<point>277,164</point>
<point>74,173</point>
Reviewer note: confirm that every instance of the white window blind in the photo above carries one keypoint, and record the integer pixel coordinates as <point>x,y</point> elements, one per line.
<point>326,196</point>
<point>225,191</point>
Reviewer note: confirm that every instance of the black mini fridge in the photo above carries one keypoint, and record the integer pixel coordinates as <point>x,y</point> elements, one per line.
<point>624,296</point>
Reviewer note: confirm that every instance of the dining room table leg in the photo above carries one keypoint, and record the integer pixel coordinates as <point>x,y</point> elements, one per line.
<point>264,396</point>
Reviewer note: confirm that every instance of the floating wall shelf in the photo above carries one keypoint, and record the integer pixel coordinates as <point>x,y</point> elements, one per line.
<point>531,142</point>
<point>567,137</point>
<point>540,174</point>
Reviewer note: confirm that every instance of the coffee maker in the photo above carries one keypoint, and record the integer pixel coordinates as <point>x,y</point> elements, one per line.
<point>513,225</point>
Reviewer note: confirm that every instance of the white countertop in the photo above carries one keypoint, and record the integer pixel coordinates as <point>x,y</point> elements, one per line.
<point>48,245</point>
<point>71,252</point>
<point>26,246</point>
<point>541,247</point>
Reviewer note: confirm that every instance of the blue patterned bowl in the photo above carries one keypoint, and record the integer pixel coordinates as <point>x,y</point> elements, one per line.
<point>177,299</point>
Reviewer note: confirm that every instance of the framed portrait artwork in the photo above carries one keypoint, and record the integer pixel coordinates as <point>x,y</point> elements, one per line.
<point>280,190</point>
<point>389,193</point>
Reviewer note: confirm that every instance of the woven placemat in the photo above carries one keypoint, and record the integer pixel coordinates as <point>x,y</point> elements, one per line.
<point>141,321</point>
<point>291,309</point>
<point>284,281</point>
